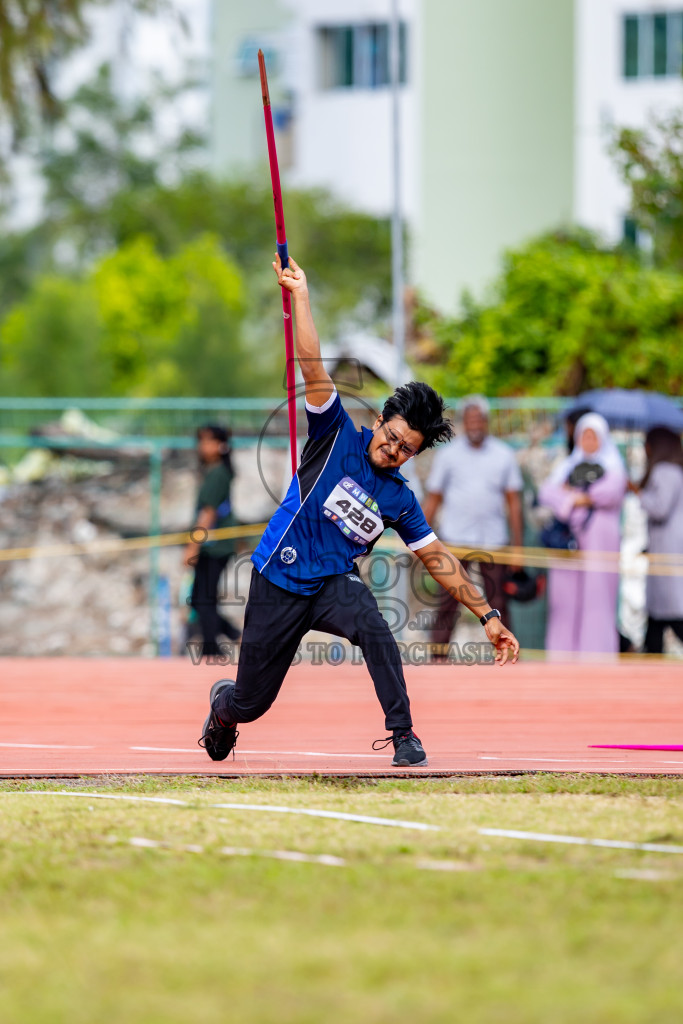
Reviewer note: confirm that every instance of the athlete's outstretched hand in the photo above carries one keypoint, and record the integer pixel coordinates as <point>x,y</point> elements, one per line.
<point>505,642</point>
<point>292,277</point>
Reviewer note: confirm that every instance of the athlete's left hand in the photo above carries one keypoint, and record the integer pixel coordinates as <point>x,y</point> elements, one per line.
<point>505,642</point>
<point>292,278</point>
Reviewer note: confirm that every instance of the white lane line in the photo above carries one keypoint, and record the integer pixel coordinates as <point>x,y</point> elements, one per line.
<point>155,844</point>
<point>339,815</point>
<point>445,865</point>
<point>47,746</point>
<point>268,808</point>
<point>543,837</point>
<point>238,851</point>
<point>646,875</point>
<point>294,855</point>
<point>107,796</point>
<point>171,750</point>
<point>239,750</point>
<point>558,760</point>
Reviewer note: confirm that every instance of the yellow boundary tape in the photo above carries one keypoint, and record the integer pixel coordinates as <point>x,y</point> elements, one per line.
<point>97,547</point>
<point>583,561</point>
<point>539,558</point>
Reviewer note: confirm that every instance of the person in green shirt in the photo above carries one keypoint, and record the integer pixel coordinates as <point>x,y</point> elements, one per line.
<point>209,558</point>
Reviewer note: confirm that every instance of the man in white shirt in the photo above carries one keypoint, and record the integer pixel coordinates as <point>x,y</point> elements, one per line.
<point>477,484</point>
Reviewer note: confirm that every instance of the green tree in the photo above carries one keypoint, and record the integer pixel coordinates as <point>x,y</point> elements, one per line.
<point>111,176</point>
<point>35,35</point>
<point>651,163</point>
<point>35,38</point>
<point>111,179</point>
<point>138,323</point>
<point>107,146</point>
<point>172,326</point>
<point>566,316</point>
<point>346,253</point>
<point>50,344</point>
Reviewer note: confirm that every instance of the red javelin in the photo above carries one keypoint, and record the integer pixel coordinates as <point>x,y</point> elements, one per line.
<point>284,257</point>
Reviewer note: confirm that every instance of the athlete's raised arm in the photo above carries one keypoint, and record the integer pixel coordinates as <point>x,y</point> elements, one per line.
<point>319,385</point>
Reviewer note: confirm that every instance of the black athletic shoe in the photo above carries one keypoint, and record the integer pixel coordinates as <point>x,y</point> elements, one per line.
<point>408,751</point>
<point>217,738</point>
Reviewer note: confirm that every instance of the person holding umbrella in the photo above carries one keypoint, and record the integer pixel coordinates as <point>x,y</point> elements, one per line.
<point>661,496</point>
<point>631,409</point>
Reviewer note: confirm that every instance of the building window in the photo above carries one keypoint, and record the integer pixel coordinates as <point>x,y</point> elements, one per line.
<point>357,56</point>
<point>630,232</point>
<point>653,45</point>
<point>246,58</point>
<point>659,38</point>
<point>630,47</point>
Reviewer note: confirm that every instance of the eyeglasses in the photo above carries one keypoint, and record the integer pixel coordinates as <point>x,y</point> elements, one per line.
<point>395,441</point>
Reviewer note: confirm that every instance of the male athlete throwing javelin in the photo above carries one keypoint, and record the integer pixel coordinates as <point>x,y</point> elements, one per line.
<point>346,491</point>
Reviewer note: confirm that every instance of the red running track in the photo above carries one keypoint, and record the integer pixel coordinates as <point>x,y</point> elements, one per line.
<point>66,717</point>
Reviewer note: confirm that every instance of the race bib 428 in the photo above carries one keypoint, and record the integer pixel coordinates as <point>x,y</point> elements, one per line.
<point>354,511</point>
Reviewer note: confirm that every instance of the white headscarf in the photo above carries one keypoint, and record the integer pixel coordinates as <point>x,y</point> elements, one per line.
<point>607,454</point>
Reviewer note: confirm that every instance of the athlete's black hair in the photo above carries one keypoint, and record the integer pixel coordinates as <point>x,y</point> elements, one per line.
<point>422,409</point>
<point>219,433</point>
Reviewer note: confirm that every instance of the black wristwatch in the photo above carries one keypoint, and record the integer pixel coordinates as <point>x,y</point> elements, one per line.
<point>493,614</point>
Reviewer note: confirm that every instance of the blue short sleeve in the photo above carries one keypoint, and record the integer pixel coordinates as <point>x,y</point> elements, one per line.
<point>327,418</point>
<point>412,527</point>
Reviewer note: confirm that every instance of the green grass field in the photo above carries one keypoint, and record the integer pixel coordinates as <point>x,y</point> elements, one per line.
<point>401,924</point>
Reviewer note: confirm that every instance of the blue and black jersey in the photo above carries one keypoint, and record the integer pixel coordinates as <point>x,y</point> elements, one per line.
<point>336,507</point>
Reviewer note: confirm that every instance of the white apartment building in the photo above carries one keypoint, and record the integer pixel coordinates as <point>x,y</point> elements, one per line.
<point>628,67</point>
<point>506,113</point>
<point>328,71</point>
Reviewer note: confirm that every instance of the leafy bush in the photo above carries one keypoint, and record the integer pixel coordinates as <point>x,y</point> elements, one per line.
<point>138,323</point>
<point>567,316</point>
<point>651,163</point>
<point>50,344</point>
<point>113,179</point>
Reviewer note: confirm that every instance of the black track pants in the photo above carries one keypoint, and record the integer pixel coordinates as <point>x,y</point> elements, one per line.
<point>275,623</point>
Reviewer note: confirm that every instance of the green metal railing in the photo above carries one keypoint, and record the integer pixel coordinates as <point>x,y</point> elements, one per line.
<point>149,428</point>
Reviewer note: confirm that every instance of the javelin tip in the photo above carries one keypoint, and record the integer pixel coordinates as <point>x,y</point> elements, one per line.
<point>265,95</point>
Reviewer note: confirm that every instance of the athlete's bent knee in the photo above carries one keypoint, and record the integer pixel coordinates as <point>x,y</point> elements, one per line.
<point>247,712</point>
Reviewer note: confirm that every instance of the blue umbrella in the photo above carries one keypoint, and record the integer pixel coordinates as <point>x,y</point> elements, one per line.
<point>632,410</point>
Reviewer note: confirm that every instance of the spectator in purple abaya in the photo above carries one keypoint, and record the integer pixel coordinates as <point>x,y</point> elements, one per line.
<point>586,491</point>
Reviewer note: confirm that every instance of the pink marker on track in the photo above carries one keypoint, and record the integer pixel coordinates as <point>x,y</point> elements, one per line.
<point>635,746</point>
